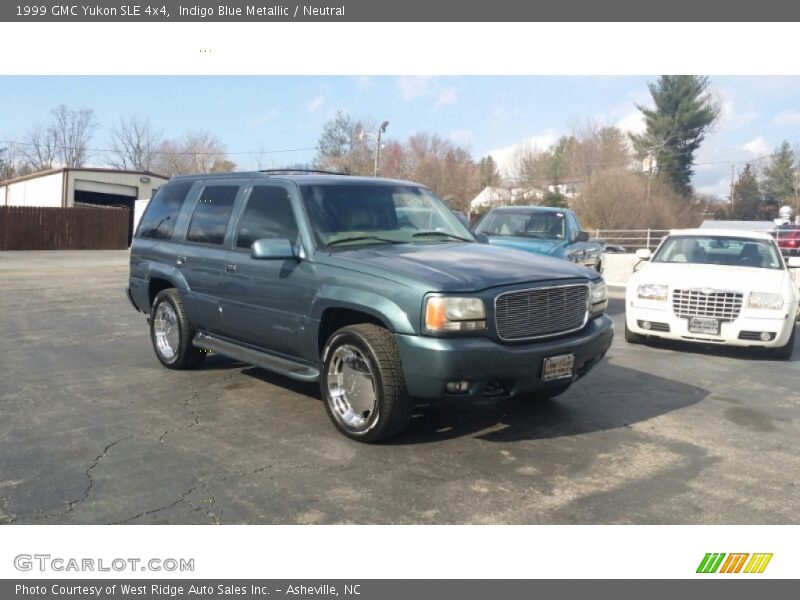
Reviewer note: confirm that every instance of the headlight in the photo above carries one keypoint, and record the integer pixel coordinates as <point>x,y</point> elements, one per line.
<point>598,290</point>
<point>652,291</point>
<point>765,301</point>
<point>454,314</point>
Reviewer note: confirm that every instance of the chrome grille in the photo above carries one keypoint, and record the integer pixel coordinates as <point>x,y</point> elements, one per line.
<point>541,312</point>
<point>712,303</point>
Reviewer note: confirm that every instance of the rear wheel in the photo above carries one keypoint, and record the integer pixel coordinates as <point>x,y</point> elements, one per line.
<point>362,383</point>
<point>631,337</point>
<point>172,333</point>
<point>784,352</point>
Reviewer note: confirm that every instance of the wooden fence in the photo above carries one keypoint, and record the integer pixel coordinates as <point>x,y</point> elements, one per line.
<point>78,228</point>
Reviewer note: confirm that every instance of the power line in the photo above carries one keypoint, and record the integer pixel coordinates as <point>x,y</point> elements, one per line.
<point>164,152</point>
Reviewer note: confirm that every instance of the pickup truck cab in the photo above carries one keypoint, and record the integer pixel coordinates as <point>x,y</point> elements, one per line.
<point>541,230</point>
<point>371,287</point>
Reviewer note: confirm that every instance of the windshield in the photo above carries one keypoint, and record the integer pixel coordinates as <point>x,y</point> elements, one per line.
<point>345,215</point>
<point>542,224</point>
<point>719,250</point>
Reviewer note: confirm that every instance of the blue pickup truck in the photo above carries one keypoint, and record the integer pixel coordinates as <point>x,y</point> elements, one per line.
<point>542,230</point>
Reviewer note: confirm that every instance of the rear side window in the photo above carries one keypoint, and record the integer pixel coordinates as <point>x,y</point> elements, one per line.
<point>268,216</point>
<point>158,221</point>
<point>211,215</point>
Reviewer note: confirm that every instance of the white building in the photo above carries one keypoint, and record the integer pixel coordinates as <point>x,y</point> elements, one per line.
<point>66,187</point>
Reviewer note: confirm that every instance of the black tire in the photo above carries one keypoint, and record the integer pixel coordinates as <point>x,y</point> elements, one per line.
<point>186,355</point>
<point>784,352</point>
<point>631,337</point>
<point>392,408</point>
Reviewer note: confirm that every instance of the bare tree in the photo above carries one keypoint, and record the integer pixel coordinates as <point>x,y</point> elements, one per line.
<point>13,163</point>
<point>135,144</point>
<point>619,199</point>
<point>41,148</point>
<point>72,129</point>
<point>195,152</point>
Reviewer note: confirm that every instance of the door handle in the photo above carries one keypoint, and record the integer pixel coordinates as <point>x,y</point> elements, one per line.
<point>181,261</point>
<point>230,268</point>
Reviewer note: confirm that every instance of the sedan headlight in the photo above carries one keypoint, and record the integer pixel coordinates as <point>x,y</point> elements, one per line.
<point>454,314</point>
<point>765,301</point>
<point>652,291</point>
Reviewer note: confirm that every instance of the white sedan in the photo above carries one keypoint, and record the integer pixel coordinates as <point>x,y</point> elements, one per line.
<point>714,286</point>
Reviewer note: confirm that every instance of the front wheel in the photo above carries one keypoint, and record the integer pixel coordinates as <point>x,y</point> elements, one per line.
<point>362,383</point>
<point>784,352</point>
<point>632,337</point>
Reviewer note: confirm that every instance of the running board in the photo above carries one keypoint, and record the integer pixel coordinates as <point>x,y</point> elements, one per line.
<point>251,356</point>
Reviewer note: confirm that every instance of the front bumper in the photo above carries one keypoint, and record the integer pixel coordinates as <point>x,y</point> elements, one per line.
<point>493,369</point>
<point>729,332</point>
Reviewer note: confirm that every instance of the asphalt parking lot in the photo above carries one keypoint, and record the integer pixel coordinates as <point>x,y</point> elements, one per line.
<point>94,430</point>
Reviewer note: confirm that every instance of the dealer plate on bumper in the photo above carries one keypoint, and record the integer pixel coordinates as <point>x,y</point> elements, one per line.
<point>558,367</point>
<point>704,325</point>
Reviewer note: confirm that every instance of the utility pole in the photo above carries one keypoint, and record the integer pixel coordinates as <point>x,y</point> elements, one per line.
<point>381,130</point>
<point>732,167</point>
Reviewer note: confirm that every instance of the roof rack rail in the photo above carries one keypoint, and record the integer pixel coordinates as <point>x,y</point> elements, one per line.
<point>320,171</point>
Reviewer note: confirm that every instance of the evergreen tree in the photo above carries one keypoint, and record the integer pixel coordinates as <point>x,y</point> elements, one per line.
<point>683,114</point>
<point>779,181</point>
<point>488,172</point>
<point>746,196</point>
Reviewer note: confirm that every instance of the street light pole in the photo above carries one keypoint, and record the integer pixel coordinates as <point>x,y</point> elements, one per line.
<point>381,130</point>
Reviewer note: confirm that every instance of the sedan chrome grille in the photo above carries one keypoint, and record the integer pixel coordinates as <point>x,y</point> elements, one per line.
<point>707,303</point>
<point>541,312</point>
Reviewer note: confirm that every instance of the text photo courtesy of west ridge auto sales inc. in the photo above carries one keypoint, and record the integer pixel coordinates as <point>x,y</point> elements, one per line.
<point>400,300</point>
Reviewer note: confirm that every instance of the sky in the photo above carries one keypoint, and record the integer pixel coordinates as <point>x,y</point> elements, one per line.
<point>271,121</point>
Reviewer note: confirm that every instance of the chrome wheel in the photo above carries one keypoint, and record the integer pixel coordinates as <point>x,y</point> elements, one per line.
<point>167,332</point>
<point>351,388</point>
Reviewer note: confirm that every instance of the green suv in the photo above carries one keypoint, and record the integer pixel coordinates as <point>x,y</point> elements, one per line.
<point>371,287</point>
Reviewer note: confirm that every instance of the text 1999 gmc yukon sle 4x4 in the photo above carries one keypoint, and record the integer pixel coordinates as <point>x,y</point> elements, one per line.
<point>315,277</point>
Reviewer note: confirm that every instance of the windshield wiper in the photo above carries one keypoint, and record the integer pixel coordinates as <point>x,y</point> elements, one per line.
<point>442,234</point>
<point>357,238</point>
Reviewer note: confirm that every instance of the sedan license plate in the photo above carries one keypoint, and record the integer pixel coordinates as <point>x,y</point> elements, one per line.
<point>704,325</point>
<point>558,367</point>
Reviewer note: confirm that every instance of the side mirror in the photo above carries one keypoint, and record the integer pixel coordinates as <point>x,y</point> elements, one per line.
<point>481,238</point>
<point>643,254</point>
<point>793,262</point>
<point>582,236</point>
<point>272,250</point>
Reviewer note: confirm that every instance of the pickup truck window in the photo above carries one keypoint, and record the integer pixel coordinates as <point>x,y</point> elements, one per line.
<point>344,215</point>
<point>268,215</point>
<point>210,219</point>
<point>158,221</point>
<point>534,224</point>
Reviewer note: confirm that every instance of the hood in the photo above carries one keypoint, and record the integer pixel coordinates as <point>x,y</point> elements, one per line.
<point>454,267</point>
<point>693,276</point>
<point>549,246</point>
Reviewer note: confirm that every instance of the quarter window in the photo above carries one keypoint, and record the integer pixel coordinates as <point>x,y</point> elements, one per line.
<point>268,216</point>
<point>210,219</point>
<point>158,221</point>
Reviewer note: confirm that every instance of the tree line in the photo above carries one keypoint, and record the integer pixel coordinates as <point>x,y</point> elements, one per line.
<point>759,191</point>
<point>65,140</point>
<point>612,179</point>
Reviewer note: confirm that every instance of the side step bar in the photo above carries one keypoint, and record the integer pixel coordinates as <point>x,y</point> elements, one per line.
<point>251,356</point>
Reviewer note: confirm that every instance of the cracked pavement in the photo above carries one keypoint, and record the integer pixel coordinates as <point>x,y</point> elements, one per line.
<point>94,430</point>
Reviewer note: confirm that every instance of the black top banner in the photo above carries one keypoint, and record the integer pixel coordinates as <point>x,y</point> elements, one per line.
<point>403,11</point>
